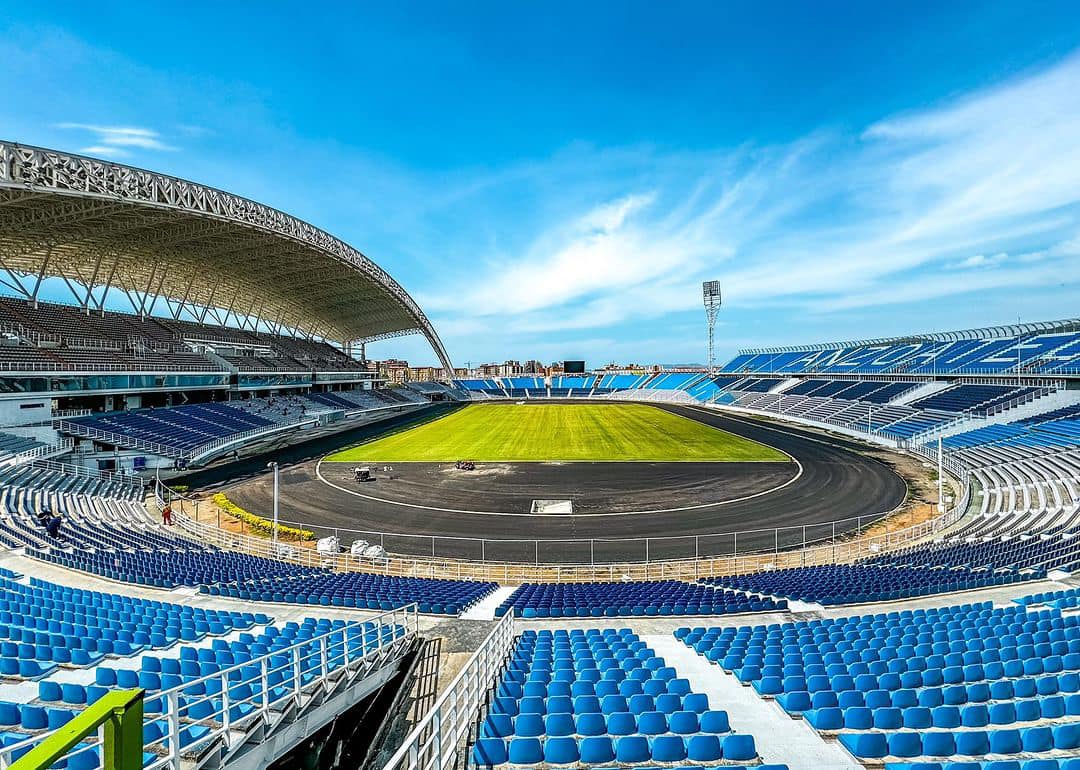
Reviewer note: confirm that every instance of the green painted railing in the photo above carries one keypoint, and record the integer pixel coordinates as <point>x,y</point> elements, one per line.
<point>120,711</point>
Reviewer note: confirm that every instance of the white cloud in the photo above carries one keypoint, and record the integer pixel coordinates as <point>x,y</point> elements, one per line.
<point>111,141</point>
<point>104,151</point>
<point>988,184</point>
<point>980,260</point>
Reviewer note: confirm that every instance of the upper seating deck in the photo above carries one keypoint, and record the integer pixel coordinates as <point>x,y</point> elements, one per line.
<point>1030,353</point>
<point>45,336</point>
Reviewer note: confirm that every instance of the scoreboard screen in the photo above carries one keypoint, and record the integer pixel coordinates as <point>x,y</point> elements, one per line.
<point>574,367</point>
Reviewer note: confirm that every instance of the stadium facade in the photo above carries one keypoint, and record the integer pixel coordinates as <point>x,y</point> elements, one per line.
<point>228,648</point>
<point>232,301</point>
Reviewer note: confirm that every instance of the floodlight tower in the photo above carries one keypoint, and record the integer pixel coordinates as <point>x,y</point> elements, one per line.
<point>710,292</point>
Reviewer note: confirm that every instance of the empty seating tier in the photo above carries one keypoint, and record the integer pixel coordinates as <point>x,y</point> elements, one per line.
<point>646,598</point>
<point>936,684</point>
<point>353,589</point>
<point>601,698</point>
<point>856,584</point>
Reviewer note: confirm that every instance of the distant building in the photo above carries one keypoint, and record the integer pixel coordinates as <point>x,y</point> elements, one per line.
<point>394,370</point>
<point>511,369</point>
<point>422,373</point>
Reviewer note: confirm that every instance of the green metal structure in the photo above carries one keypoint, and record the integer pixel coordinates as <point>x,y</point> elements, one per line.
<point>120,711</point>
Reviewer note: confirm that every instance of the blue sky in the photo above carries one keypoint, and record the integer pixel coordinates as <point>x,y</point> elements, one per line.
<point>555,179</point>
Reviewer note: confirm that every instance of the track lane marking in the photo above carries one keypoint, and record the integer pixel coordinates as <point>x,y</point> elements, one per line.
<point>771,490</point>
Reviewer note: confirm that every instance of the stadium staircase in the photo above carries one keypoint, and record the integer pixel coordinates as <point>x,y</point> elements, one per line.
<point>786,385</point>
<point>923,391</point>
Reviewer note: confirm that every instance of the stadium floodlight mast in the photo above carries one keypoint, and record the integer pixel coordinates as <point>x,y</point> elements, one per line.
<point>710,292</point>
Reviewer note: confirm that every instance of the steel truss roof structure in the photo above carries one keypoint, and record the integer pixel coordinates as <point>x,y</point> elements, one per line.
<point>101,227</point>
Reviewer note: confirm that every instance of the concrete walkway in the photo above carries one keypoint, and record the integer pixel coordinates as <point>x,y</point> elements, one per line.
<point>485,608</point>
<point>778,737</point>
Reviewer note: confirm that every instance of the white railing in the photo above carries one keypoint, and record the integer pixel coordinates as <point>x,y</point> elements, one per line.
<point>235,702</point>
<point>17,366</point>
<point>439,740</point>
<point>238,438</point>
<point>210,447</point>
<point>958,470</point>
<point>901,371</point>
<point>119,439</point>
<point>79,471</point>
<point>832,546</point>
<point>62,413</point>
<point>969,421</point>
<point>153,447</point>
<point>93,344</point>
<point>1015,402</point>
<point>45,450</point>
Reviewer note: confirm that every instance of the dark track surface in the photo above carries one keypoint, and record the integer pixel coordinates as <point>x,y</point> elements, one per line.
<point>837,482</point>
<point>594,488</point>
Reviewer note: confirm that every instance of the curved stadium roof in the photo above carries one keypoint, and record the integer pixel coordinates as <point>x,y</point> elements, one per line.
<point>99,223</point>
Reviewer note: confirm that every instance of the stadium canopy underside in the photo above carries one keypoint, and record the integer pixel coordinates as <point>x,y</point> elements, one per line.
<point>202,253</point>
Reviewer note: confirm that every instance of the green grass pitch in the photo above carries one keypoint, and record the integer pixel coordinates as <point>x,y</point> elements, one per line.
<point>554,432</point>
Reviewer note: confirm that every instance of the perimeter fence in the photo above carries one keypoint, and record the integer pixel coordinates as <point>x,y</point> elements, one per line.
<point>570,560</point>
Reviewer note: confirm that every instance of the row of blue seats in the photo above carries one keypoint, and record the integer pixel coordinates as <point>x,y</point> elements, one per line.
<point>1033,555</point>
<point>834,584</point>
<point>168,569</point>
<point>1062,599</point>
<point>362,590</point>
<point>602,750</point>
<point>179,427</point>
<point>43,625</point>
<point>595,696</point>
<point>1050,352</point>
<point>967,743</point>
<point>957,681</point>
<point>642,598</point>
<point>1026,694</point>
<point>961,398</point>
<point>943,717</point>
<point>1061,432</point>
<point>1062,413</point>
<point>1048,763</point>
<point>613,720</point>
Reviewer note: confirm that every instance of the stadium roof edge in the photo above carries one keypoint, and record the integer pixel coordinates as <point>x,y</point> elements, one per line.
<point>988,332</point>
<point>103,224</point>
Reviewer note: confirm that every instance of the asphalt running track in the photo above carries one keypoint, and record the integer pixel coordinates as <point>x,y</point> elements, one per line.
<point>833,479</point>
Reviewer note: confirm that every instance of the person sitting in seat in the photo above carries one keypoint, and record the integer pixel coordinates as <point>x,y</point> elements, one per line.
<point>53,527</point>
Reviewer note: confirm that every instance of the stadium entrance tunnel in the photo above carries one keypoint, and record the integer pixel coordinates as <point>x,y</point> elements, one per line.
<point>622,512</point>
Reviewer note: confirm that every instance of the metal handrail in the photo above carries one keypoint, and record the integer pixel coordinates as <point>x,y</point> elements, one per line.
<point>1015,402</point>
<point>293,672</point>
<point>838,549</point>
<point>119,439</point>
<point>203,449</point>
<point>440,737</point>
<point>119,712</point>
<point>154,447</point>
<point>16,366</point>
<point>82,471</point>
<point>64,445</point>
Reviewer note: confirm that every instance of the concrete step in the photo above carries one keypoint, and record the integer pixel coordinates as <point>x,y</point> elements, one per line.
<point>485,608</point>
<point>924,390</point>
<point>778,737</point>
